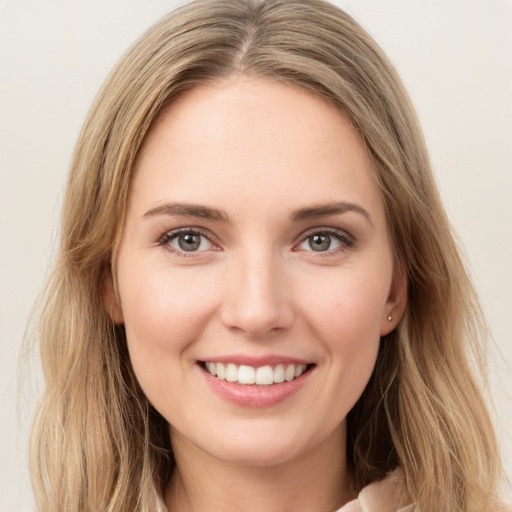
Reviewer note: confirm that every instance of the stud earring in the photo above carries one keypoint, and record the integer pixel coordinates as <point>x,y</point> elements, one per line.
<point>390,318</point>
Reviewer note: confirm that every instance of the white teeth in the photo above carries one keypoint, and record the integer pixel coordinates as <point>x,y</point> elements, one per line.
<point>264,376</point>
<point>246,375</point>
<point>231,372</point>
<point>289,374</point>
<point>261,376</point>
<point>279,374</point>
<point>212,368</point>
<point>221,371</point>
<point>299,370</point>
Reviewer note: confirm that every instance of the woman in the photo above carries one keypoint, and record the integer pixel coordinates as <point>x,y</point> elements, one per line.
<point>252,307</point>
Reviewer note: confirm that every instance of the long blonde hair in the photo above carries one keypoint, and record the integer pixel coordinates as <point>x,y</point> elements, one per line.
<point>97,443</point>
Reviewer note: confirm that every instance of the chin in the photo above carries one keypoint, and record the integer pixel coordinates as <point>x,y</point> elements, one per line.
<point>255,455</point>
<point>261,446</point>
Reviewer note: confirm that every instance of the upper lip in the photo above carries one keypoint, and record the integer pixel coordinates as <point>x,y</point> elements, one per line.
<point>256,361</point>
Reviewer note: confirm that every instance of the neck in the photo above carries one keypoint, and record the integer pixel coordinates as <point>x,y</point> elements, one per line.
<point>316,481</point>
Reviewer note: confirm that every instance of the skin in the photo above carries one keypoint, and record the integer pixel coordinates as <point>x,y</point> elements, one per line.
<point>259,152</point>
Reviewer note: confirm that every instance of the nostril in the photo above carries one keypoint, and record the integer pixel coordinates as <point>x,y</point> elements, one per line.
<point>257,321</point>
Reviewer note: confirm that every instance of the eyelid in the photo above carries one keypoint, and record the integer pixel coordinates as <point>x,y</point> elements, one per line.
<point>172,234</point>
<point>346,239</point>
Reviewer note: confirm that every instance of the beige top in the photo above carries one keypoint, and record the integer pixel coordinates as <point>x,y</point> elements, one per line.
<point>387,495</point>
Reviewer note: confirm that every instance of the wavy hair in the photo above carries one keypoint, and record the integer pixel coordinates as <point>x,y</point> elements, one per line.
<point>97,444</point>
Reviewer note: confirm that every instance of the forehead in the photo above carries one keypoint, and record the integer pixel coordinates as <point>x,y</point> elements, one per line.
<point>256,136</point>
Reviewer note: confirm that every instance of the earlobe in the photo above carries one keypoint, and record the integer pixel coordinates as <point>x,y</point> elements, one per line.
<point>396,303</point>
<point>111,299</point>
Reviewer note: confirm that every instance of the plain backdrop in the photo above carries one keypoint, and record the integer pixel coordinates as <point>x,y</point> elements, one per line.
<point>455,57</point>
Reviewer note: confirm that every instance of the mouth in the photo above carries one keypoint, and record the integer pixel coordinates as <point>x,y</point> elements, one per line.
<point>245,375</point>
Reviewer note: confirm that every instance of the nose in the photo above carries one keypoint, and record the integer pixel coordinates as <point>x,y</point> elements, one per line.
<point>257,300</point>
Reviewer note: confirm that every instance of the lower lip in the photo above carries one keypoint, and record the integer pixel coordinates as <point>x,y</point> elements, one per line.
<point>255,396</point>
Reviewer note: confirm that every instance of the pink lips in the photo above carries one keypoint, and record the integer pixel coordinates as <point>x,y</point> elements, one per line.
<point>257,361</point>
<point>255,396</point>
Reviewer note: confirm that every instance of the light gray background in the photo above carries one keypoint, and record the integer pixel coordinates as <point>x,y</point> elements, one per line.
<point>455,57</point>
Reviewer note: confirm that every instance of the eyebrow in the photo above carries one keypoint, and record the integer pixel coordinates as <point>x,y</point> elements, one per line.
<point>329,209</point>
<point>188,210</point>
<point>205,212</point>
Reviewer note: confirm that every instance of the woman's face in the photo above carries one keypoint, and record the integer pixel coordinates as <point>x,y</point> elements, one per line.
<point>255,247</point>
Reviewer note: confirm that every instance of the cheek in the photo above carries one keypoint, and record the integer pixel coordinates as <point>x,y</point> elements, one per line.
<point>163,305</point>
<point>345,313</point>
<point>164,314</point>
<point>347,305</point>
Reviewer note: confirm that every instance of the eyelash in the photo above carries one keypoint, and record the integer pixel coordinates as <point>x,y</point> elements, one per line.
<point>170,236</point>
<point>346,240</point>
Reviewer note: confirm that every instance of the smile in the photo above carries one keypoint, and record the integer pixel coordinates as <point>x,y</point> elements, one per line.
<point>260,376</point>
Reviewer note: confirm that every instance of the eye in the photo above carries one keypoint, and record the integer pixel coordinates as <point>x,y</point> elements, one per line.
<point>186,241</point>
<point>325,241</point>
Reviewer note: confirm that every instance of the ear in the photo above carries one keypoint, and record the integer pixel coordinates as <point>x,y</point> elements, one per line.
<point>111,299</point>
<point>396,302</point>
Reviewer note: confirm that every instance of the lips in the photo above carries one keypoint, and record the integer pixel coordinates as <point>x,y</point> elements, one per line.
<point>256,382</point>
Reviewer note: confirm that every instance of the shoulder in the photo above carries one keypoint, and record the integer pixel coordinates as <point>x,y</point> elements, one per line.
<point>386,495</point>
<point>390,495</point>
